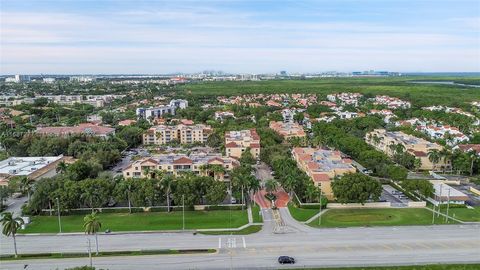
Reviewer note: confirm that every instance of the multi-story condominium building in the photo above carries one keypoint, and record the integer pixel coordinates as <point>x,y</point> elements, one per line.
<point>385,140</point>
<point>179,103</point>
<point>184,134</point>
<point>287,130</point>
<point>175,164</point>
<point>322,166</point>
<point>18,79</point>
<point>152,113</point>
<point>82,129</point>
<point>32,167</point>
<point>236,142</point>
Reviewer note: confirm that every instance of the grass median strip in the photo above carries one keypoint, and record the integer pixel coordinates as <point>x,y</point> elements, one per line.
<point>105,254</point>
<point>143,221</point>
<point>377,217</point>
<point>257,217</point>
<point>248,230</point>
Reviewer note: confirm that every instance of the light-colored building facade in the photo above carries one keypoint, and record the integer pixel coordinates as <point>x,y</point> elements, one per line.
<point>176,164</point>
<point>287,130</point>
<point>418,147</point>
<point>184,134</point>
<point>236,142</point>
<point>322,166</point>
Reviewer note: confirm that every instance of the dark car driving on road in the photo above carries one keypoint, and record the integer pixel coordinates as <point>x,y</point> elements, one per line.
<point>286,259</point>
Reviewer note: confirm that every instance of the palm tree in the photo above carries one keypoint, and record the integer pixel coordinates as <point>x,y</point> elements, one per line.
<point>125,188</point>
<point>417,163</point>
<point>166,183</point>
<point>61,167</point>
<point>434,157</point>
<point>10,227</point>
<point>473,158</point>
<point>271,185</point>
<point>445,155</point>
<point>92,225</point>
<point>399,149</point>
<point>26,185</point>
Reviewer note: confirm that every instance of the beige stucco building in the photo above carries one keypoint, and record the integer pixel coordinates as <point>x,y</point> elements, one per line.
<point>322,166</point>
<point>175,164</point>
<point>184,134</point>
<point>236,142</point>
<point>418,147</point>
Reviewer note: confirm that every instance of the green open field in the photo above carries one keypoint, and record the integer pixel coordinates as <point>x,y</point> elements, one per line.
<point>301,214</point>
<point>143,221</point>
<point>410,267</point>
<point>420,94</point>
<point>376,217</point>
<point>463,214</point>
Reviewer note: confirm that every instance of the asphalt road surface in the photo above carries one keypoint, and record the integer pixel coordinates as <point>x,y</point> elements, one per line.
<point>322,247</point>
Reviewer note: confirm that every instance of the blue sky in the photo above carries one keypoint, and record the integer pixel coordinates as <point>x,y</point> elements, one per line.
<point>123,36</point>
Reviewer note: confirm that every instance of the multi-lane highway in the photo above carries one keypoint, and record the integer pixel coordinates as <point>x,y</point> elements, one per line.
<point>322,247</point>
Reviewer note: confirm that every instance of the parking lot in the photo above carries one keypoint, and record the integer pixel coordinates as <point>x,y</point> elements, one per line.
<point>394,196</point>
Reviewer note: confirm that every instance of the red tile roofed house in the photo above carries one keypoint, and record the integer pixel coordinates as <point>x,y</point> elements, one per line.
<point>469,147</point>
<point>236,142</point>
<point>82,129</point>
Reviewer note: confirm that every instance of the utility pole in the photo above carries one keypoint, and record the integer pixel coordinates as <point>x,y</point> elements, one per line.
<point>183,212</point>
<point>433,218</point>
<point>58,213</point>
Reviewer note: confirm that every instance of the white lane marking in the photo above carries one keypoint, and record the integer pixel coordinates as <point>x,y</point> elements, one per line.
<point>231,242</point>
<point>11,203</point>
<point>219,242</point>
<point>244,244</point>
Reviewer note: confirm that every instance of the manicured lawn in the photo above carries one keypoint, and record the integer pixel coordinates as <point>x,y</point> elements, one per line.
<point>249,230</point>
<point>301,214</point>
<point>410,267</point>
<point>143,221</point>
<point>376,217</point>
<point>257,217</point>
<point>463,214</point>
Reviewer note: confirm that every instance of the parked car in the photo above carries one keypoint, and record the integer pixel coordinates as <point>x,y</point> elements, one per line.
<point>286,259</point>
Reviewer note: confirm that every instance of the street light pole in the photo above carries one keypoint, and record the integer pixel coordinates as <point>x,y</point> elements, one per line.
<point>320,209</point>
<point>183,212</point>
<point>89,252</point>
<point>58,213</point>
<point>448,205</point>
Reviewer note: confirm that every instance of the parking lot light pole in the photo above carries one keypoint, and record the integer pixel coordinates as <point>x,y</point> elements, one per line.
<point>183,212</point>
<point>58,213</point>
<point>433,218</point>
<point>320,209</point>
<point>448,205</point>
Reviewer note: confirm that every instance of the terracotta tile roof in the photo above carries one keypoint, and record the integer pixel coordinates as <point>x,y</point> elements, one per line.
<point>232,144</point>
<point>319,177</point>
<point>183,160</point>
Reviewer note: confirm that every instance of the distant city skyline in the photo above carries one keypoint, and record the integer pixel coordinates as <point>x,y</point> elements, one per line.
<point>159,37</point>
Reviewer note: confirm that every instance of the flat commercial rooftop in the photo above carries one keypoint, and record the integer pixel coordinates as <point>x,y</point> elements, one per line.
<point>25,165</point>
